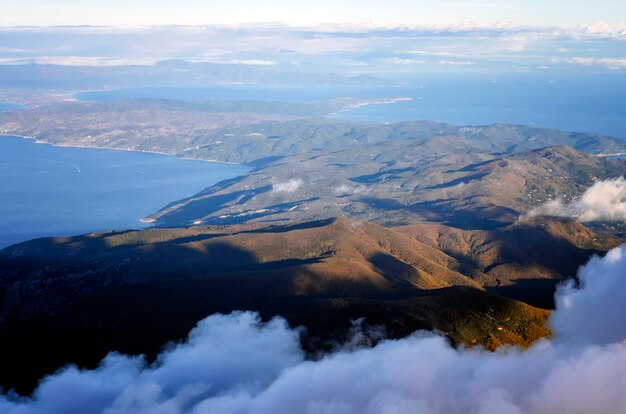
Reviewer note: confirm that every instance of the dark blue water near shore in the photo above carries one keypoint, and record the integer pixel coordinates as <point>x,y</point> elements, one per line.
<point>55,191</point>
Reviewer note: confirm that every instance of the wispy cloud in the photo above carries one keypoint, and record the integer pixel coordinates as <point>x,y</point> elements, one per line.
<point>345,189</point>
<point>611,63</point>
<point>604,29</point>
<point>289,186</point>
<point>77,61</point>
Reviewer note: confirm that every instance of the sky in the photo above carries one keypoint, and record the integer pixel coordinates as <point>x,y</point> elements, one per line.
<point>347,37</point>
<point>295,12</point>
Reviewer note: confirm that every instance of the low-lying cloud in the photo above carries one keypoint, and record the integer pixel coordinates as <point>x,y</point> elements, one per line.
<point>235,364</point>
<point>605,200</point>
<point>344,189</point>
<point>289,186</point>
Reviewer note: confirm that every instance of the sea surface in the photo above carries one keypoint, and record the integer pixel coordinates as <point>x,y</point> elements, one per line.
<point>588,102</point>
<point>58,191</point>
<point>6,106</point>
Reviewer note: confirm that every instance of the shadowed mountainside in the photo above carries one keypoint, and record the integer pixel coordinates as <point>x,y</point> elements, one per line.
<point>314,168</point>
<point>75,299</point>
<point>396,183</point>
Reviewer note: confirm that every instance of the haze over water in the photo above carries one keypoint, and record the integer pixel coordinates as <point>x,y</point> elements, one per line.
<point>585,102</point>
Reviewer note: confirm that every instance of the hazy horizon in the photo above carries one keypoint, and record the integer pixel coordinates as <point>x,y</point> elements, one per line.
<point>320,207</point>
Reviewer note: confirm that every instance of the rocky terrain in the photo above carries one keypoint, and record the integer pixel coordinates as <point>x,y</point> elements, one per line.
<point>75,299</point>
<point>399,174</point>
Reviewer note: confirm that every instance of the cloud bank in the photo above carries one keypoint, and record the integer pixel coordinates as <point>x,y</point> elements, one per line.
<point>235,364</point>
<point>347,49</point>
<point>605,200</point>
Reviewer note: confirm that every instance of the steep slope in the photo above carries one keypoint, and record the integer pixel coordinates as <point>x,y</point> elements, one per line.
<point>524,260</point>
<point>397,182</point>
<point>75,299</point>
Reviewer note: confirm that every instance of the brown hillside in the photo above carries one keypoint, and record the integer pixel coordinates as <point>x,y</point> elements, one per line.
<point>75,299</point>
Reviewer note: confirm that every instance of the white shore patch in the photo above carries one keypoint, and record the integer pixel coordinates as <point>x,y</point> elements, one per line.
<point>367,102</point>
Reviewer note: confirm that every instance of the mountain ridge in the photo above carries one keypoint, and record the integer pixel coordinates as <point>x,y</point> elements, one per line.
<point>74,299</point>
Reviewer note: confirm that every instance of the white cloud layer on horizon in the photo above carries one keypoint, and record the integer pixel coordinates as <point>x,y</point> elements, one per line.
<point>289,186</point>
<point>234,364</point>
<point>611,63</point>
<point>91,61</point>
<point>353,48</point>
<point>605,29</point>
<point>605,200</point>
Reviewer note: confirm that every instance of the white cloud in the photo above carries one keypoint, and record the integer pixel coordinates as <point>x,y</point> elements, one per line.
<point>611,63</point>
<point>456,62</point>
<point>334,48</point>
<point>594,313</point>
<point>234,364</point>
<point>350,189</point>
<point>605,200</point>
<point>290,186</point>
<point>406,61</point>
<point>605,29</point>
<point>251,62</point>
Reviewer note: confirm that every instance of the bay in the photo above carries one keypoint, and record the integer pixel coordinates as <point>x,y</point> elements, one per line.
<point>57,191</point>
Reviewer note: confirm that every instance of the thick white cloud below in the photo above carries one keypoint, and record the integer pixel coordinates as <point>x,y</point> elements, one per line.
<point>236,364</point>
<point>605,200</point>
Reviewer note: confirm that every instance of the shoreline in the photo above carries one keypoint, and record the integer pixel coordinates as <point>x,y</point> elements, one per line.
<point>143,222</point>
<point>366,102</point>
<point>43,142</point>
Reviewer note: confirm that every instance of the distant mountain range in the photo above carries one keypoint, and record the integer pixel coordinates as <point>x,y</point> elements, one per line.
<point>170,73</point>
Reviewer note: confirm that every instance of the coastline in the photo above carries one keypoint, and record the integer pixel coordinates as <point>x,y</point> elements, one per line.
<point>140,222</point>
<point>368,102</point>
<point>43,142</point>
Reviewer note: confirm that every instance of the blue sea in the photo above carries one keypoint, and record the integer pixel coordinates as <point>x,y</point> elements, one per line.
<point>6,106</point>
<point>57,191</point>
<point>587,102</point>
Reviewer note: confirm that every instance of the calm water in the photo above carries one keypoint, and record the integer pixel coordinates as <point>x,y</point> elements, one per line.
<point>5,106</point>
<point>575,102</point>
<point>54,191</point>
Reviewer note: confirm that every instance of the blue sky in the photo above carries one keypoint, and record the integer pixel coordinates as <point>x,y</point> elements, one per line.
<point>294,12</point>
